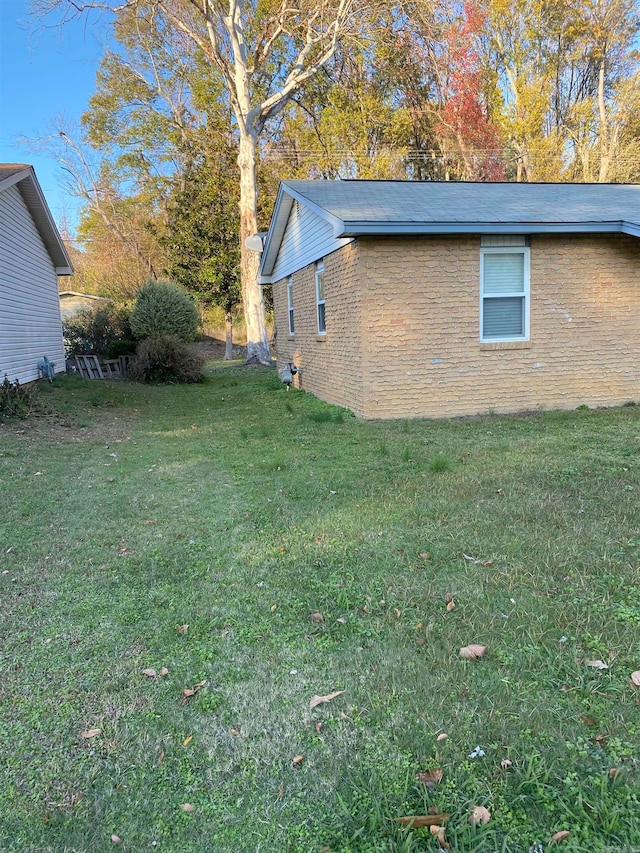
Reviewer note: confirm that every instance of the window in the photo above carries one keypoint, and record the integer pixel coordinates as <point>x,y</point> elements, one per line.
<point>290,304</point>
<point>322,326</point>
<point>504,289</point>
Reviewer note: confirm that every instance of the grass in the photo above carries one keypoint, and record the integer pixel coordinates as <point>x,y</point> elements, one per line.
<point>240,509</point>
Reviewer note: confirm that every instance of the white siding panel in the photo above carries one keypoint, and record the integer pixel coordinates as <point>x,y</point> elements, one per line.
<point>306,239</point>
<point>30,324</point>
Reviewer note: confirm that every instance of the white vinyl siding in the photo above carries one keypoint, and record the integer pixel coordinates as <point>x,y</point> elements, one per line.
<point>322,320</point>
<point>307,238</point>
<point>504,293</point>
<point>30,325</point>
<point>292,325</point>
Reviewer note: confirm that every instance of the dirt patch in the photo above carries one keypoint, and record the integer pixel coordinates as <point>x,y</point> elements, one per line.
<point>57,429</point>
<point>213,348</point>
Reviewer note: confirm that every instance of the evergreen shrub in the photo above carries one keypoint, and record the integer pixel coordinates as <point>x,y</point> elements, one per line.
<point>164,309</point>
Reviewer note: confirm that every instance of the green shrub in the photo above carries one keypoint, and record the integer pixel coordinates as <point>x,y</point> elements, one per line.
<point>16,400</point>
<point>121,347</point>
<point>163,309</point>
<point>165,359</point>
<point>95,331</point>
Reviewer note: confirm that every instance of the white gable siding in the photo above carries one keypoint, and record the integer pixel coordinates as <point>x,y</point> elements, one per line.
<point>30,325</point>
<point>307,238</point>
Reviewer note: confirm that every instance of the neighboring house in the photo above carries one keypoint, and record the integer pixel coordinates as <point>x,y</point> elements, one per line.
<point>406,299</point>
<point>32,255</point>
<point>71,302</point>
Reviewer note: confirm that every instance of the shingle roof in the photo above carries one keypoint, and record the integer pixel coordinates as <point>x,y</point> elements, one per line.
<point>357,208</point>
<point>24,176</point>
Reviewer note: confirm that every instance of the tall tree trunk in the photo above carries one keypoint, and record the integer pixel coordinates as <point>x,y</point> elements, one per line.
<point>228,335</point>
<point>605,147</point>
<point>257,339</point>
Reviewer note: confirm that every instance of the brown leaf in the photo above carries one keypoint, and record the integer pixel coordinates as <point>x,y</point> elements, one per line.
<point>473,652</point>
<point>164,671</point>
<point>560,836</point>
<point>187,740</point>
<point>183,629</point>
<point>418,821</point>
<point>115,839</point>
<point>188,692</point>
<point>425,555</point>
<point>613,773</point>
<point>161,757</point>
<point>438,832</point>
<point>442,736</point>
<point>430,778</point>
<point>599,738</point>
<point>318,726</point>
<point>90,733</point>
<point>150,673</point>
<point>635,678</point>
<point>320,700</point>
<point>479,815</point>
<point>316,617</point>
<point>234,732</point>
<point>397,613</point>
<point>187,807</point>
<point>448,597</point>
<point>297,760</point>
<point>596,664</point>
<point>274,607</point>
<point>451,606</point>
<point>588,721</point>
<point>506,763</point>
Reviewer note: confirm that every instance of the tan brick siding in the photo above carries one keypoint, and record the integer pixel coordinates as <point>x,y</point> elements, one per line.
<point>331,365</point>
<point>419,354</point>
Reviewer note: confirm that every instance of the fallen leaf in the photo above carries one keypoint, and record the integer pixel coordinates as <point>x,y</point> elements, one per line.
<point>183,629</point>
<point>320,700</point>
<point>599,738</point>
<point>448,597</point>
<point>318,726</point>
<point>473,652</point>
<point>588,721</point>
<point>430,778</point>
<point>161,757</point>
<point>438,832</point>
<point>506,763</point>
<point>560,836</point>
<point>442,736</point>
<point>187,740</point>
<point>479,815</point>
<point>90,733</point>
<point>418,821</point>
<point>234,732</point>
<point>297,760</point>
<point>425,555</point>
<point>451,606</point>
<point>596,664</point>
<point>115,839</point>
<point>164,671</point>
<point>188,692</point>
<point>150,673</point>
<point>341,620</point>
<point>274,607</point>
<point>635,678</point>
<point>187,807</point>
<point>397,613</point>
<point>316,617</point>
<point>613,773</point>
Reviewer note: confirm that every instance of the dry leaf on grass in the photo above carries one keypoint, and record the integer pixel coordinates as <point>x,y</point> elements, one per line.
<point>187,807</point>
<point>164,671</point>
<point>596,664</point>
<point>418,821</point>
<point>442,736</point>
<point>560,836</point>
<point>161,757</point>
<point>273,608</point>
<point>297,760</point>
<point>115,839</point>
<point>320,700</point>
<point>473,652</point>
<point>187,740</point>
<point>613,773</point>
<point>506,763</point>
<point>430,778</point>
<point>90,733</point>
<point>588,721</point>
<point>635,678</point>
<point>183,629</point>
<point>438,832</point>
<point>150,673</point>
<point>188,692</point>
<point>451,605</point>
<point>316,617</point>
<point>479,815</point>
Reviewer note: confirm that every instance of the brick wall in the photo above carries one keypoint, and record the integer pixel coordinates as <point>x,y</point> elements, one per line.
<point>405,341</point>
<point>331,363</point>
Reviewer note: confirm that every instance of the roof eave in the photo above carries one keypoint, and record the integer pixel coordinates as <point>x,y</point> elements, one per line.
<point>364,228</point>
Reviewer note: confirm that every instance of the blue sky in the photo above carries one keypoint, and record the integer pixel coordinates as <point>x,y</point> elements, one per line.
<point>44,72</point>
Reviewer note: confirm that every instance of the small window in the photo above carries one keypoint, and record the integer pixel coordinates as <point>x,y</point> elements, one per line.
<point>290,304</point>
<point>322,326</point>
<point>504,293</point>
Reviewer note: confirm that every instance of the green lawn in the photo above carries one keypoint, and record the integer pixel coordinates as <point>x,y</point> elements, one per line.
<point>239,509</point>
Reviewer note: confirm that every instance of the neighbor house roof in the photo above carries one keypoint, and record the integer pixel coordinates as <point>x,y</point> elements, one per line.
<point>25,178</point>
<point>358,208</point>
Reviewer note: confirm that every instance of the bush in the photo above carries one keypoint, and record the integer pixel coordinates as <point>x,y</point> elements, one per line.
<point>17,401</point>
<point>95,331</point>
<point>163,309</point>
<point>165,359</point>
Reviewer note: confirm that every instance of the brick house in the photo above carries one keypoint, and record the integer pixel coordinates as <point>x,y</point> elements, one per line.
<point>405,299</point>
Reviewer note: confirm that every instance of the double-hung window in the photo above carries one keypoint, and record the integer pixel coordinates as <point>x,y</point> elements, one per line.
<point>290,305</point>
<point>504,289</point>
<point>322,326</point>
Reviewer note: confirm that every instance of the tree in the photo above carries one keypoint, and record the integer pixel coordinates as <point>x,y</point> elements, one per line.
<point>265,51</point>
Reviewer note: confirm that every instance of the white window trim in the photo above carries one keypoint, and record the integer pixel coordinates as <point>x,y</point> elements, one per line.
<point>319,302</point>
<point>508,250</point>
<point>290,309</point>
